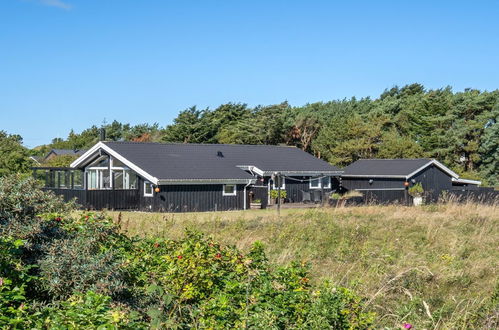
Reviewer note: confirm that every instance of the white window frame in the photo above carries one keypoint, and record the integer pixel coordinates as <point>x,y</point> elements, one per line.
<point>112,168</point>
<point>312,180</point>
<point>274,187</point>
<point>328,186</point>
<point>152,189</point>
<point>229,194</point>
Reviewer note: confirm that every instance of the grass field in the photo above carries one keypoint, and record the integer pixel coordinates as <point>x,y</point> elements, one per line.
<point>432,266</point>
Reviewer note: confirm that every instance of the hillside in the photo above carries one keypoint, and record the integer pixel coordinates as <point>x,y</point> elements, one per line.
<point>435,266</point>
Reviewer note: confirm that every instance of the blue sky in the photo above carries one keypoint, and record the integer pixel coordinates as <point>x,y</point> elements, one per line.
<point>68,64</point>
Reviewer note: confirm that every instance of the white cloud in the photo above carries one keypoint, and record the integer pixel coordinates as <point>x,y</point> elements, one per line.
<point>56,3</point>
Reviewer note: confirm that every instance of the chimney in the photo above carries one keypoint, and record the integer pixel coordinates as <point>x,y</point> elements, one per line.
<point>102,134</point>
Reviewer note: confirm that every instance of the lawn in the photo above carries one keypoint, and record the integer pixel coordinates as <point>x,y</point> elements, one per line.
<point>432,266</point>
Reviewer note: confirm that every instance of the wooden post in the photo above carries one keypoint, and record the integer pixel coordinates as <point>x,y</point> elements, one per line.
<point>322,192</point>
<point>278,177</point>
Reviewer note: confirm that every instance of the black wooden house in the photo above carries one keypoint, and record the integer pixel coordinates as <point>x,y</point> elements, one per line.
<point>388,180</point>
<point>190,177</point>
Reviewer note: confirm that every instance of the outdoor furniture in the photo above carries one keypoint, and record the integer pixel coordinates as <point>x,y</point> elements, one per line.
<point>316,196</point>
<point>305,197</point>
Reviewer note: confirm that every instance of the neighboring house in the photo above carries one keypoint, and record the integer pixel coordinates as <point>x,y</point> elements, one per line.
<point>37,160</point>
<point>391,178</point>
<point>192,177</point>
<point>61,152</point>
<point>40,160</point>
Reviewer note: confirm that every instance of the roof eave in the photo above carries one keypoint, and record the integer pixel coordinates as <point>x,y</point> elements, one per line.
<point>468,181</point>
<point>204,181</point>
<point>303,173</point>
<point>373,176</point>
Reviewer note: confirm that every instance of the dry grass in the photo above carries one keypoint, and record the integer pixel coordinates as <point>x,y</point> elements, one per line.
<point>433,266</point>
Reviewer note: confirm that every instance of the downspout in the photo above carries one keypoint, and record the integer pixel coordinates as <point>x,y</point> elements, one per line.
<point>244,192</point>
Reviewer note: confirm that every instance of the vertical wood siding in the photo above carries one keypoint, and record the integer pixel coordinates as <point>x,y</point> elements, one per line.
<point>434,181</point>
<point>193,198</point>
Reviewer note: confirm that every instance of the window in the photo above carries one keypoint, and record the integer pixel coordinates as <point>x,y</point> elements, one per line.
<point>319,183</point>
<point>130,180</point>
<point>229,190</point>
<point>124,179</point>
<point>118,179</point>
<point>92,179</point>
<point>275,184</point>
<point>148,190</point>
<point>315,184</point>
<point>77,179</point>
<point>105,179</point>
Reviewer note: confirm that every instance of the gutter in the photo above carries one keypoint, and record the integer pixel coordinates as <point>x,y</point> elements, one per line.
<point>304,173</point>
<point>204,181</point>
<point>244,191</point>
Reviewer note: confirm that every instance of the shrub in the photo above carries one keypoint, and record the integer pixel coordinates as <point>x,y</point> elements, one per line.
<point>21,204</point>
<point>337,308</point>
<point>199,283</point>
<point>90,257</point>
<point>416,190</point>
<point>93,276</point>
<point>86,311</point>
<point>274,193</point>
<point>335,196</point>
<point>13,281</point>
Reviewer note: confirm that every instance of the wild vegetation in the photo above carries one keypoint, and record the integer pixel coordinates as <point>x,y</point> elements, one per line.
<point>65,270</point>
<point>459,128</point>
<point>434,266</point>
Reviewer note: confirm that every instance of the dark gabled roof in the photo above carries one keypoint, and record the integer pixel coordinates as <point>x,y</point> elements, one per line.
<point>401,168</point>
<point>170,161</point>
<point>60,152</point>
<point>37,159</point>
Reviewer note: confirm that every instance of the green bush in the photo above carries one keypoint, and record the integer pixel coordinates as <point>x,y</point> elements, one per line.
<point>89,257</point>
<point>83,273</point>
<point>196,282</point>
<point>86,311</point>
<point>14,279</point>
<point>274,193</point>
<point>416,190</point>
<point>21,205</point>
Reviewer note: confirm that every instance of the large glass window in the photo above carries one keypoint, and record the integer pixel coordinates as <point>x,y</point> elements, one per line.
<point>105,179</point>
<point>92,179</point>
<point>99,178</point>
<point>117,163</point>
<point>118,180</point>
<point>130,180</point>
<point>77,179</point>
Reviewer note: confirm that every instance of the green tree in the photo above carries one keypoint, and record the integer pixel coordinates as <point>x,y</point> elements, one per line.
<point>187,127</point>
<point>489,149</point>
<point>394,145</point>
<point>60,161</point>
<point>344,141</point>
<point>14,157</point>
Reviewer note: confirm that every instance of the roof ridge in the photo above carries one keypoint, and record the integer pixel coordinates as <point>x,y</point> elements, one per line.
<point>429,159</point>
<point>203,144</point>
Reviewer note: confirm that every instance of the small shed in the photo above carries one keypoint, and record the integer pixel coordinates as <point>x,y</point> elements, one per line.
<point>394,177</point>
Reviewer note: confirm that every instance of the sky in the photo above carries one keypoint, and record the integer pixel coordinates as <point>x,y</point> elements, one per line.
<point>70,64</point>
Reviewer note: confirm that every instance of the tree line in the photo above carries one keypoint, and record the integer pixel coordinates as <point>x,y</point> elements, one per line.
<point>458,128</point>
